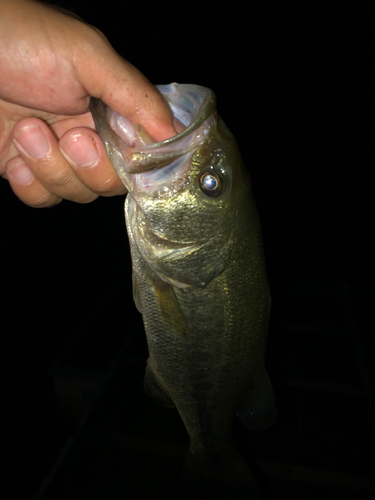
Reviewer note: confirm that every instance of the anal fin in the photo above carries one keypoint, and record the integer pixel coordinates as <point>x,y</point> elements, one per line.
<point>154,390</point>
<point>260,411</point>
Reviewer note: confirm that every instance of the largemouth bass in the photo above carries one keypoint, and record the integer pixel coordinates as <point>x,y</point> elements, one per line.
<point>199,279</point>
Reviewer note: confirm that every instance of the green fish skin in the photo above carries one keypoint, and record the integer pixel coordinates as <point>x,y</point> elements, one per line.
<point>199,280</point>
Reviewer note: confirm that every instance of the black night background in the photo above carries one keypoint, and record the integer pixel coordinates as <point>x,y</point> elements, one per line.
<point>295,84</point>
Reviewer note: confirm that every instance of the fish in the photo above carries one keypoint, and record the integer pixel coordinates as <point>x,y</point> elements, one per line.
<point>199,280</point>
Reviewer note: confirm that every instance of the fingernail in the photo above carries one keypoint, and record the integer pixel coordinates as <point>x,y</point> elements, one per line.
<point>33,141</point>
<point>21,173</point>
<point>81,149</point>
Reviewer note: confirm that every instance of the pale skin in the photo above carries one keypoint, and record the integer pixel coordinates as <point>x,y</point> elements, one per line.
<point>51,63</point>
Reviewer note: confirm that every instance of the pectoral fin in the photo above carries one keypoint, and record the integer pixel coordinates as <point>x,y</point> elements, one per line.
<point>260,411</point>
<point>153,388</point>
<point>170,309</point>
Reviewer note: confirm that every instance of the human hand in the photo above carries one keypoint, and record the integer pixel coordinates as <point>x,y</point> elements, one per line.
<point>51,63</point>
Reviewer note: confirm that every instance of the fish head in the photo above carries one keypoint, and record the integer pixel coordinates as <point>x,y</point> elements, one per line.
<point>186,194</point>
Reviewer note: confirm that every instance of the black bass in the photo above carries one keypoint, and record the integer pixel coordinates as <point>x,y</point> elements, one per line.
<point>199,279</point>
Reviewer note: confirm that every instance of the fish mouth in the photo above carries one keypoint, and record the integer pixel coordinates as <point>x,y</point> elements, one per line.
<point>161,183</point>
<point>192,105</point>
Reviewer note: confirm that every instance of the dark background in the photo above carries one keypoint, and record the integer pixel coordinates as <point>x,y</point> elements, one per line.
<point>295,84</point>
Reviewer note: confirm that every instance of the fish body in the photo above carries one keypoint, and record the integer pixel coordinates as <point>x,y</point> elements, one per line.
<point>199,277</point>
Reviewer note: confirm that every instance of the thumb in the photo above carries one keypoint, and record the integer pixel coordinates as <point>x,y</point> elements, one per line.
<point>109,77</point>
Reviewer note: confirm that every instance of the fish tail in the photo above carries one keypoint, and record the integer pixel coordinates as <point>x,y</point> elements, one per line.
<point>226,477</point>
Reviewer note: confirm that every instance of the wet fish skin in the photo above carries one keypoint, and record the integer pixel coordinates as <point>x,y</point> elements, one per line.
<point>199,280</point>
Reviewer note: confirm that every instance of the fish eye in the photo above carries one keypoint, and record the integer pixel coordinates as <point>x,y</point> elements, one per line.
<point>210,184</point>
